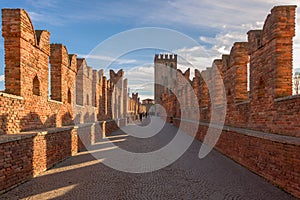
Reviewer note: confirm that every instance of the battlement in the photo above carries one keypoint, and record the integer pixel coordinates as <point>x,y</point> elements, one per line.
<point>27,53</point>
<point>115,77</point>
<point>262,103</point>
<point>135,96</point>
<point>267,56</point>
<point>164,57</point>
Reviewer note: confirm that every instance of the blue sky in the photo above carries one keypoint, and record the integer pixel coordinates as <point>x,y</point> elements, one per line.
<point>82,25</point>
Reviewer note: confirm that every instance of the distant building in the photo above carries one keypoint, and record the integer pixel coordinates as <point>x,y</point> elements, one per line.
<point>148,103</point>
<point>165,68</point>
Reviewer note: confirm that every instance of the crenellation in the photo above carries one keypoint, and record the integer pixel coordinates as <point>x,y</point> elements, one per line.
<point>73,62</point>
<point>89,73</point>
<point>204,95</point>
<point>165,58</point>
<point>217,84</point>
<point>165,77</point>
<point>63,74</point>
<point>95,85</point>
<point>225,63</point>
<point>82,95</point>
<point>27,54</point>
<point>268,55</point>
<point>238,62</point>
<point>43,40</point>
<point>25,60</point>
<point>254,40</point>
<point>268,108</point>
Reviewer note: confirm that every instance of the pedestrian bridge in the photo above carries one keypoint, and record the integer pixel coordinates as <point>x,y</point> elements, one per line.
<point>85,177</point>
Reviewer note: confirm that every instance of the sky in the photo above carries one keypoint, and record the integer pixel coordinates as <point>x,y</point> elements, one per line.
<point>104,31</point>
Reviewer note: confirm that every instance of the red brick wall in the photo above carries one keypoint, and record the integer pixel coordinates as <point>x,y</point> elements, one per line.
<point>269,107</point>
<point>27,53</point>
<point>25,105</point>
<point>23,156</point>
<point>273,157</point>
<point>270,113</point>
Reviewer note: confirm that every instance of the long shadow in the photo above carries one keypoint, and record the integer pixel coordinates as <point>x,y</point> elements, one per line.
<point>67,119</point>
<point>214,177</point>
<point>31,121</point>
<point>58,147</point>
<point>51,121</point>
<point>17,160</point>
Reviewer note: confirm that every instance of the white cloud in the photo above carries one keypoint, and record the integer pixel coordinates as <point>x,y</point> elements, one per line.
<point>140,79</point>
<point>108,59</point>
<point>43,3</point>
<point>197,57</point>
<point>216,13</point>
<point>36,16</point>
<point>233,19</point>
<point>2,78</point>
<point>141,73</point>
<point>44,16</point>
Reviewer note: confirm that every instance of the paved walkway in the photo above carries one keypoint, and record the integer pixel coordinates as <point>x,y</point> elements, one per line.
<point>84,177</point>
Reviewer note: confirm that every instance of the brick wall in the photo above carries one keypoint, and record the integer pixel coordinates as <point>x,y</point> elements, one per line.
<point>272,156</point>
<point>62,120</point>
<point>78,94</point>
<point>262,130</point>
<point>25,155</point>
<point>268,106</point>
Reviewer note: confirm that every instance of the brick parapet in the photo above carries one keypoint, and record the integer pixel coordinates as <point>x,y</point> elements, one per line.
<point>268,54</point>
<point>27,154</point>
<point>269,155</point>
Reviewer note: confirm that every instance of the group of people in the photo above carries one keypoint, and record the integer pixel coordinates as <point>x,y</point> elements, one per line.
<point>143,114</point>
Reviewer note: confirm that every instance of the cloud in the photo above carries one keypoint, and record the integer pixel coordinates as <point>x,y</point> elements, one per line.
<point>43,16</point>
<point>141,73</point>
<point>2,78</point>
<point>198,57</point>
<point>108,59</point>
<point>43,3</point>
<point>216,13</point>
<point>36,16</point>
<point>141,79</point>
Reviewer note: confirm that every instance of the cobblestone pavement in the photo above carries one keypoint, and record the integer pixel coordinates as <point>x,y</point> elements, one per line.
<point>84,177</point>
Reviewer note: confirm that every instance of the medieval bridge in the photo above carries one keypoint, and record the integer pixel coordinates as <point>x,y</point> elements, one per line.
<point>50,139</point>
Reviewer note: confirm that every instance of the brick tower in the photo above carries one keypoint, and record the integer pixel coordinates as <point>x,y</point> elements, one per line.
<point>165,68</point>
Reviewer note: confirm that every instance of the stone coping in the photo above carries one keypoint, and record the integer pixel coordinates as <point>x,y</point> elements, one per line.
<point>54,101</point>
<point>287,98</point>
<point>15,137</point>
<point>242,102</point>
<point>3,94</point>
<point>259,134</point>
<point>29,134</point>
